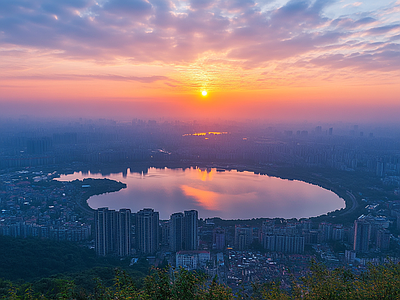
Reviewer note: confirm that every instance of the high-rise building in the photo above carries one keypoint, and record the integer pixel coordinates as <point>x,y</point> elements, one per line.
<point>284,243</point>
<point>124,232</point>
<point>176,232</point>
<point>105,231</point>
<point>147,229</point>
<point>183,231</point>
<point>326,231</point>
<point>219,238</point>
<point>112,232</point>
<point>337,232</point>
<point>362,233</point>
<point>190,229</point>
<point>397,215</point>
<point>243,237</point>
<point>383,239</point>
<point>165,233</point>
<point>39,146</point>
<point>380,167</point>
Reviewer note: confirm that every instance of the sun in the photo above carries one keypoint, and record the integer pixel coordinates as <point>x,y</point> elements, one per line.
<point>204,93</point>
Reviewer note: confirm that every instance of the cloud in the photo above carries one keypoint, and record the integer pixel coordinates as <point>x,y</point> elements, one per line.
<point>148,79</point>
<point>385,58</point>
<point>395,37</point>
<point>383,29</point>
<point>237,32</point>
<point>136,8</point>
<point>350,23</point>
<point>355,4</point>
<point>201,4</point>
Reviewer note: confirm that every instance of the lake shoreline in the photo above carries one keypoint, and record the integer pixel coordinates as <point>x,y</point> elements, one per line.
<point>271,171</point>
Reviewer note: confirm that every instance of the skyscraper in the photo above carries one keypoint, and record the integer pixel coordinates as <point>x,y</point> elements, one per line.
<point>326,230</point>
<point>105,233</point>
<point>183,230</point>
<point>362,233</point>
<point>147,231</point>
<point>190,229</point>
<point>124,232</point>
<point>112,232</point>
<point>165,235</point>
<point>176,231</point>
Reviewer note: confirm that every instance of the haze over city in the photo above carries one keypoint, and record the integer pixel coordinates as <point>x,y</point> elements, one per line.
<point>275,60</point>
<point>199,149</point>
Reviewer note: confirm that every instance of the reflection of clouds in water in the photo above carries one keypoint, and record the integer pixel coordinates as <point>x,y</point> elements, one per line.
<point>206,199</point>
<point>139,199</point>
<point>151,176</point>
<point>228,183</point>
<point>229,195</point>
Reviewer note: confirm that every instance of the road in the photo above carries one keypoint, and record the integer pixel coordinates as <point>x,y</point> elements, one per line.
<point>354,203</point>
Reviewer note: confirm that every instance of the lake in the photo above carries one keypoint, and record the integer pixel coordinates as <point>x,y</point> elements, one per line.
<point>228,194</point>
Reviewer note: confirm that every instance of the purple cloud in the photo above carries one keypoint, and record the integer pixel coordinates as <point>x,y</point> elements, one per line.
<point>383,29</point>
<point>385,58</point>
<point>141,79</point>
<point>249,33</point>
<point>136,8</point>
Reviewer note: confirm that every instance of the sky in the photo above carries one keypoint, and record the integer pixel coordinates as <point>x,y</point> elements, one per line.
<point>321,60</point>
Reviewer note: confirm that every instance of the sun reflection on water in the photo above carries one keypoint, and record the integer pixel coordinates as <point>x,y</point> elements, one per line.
<point>206,174</point>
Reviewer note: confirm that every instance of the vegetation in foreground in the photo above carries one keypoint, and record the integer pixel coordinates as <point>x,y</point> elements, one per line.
<point>378,282</point>
<point>31,259</point>
<point>44,267</point>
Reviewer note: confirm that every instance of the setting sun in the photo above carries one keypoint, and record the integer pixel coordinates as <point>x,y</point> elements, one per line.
<point>204,93</point>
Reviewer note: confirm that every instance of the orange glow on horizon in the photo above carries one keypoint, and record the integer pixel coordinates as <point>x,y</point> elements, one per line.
<point>124,100</point>
<point>205,133</point>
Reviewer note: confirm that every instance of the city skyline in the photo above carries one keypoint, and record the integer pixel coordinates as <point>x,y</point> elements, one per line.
<point>53,171</point>
<point>276,60</point>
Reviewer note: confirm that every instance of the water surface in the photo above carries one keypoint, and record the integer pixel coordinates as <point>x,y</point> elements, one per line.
<point>226,194</point>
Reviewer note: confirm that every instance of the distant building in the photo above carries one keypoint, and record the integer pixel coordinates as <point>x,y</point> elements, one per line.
<point>350,255</point>
<point>383,239</point>
<point>380,168</point>
<point>243,237</point>
<point>39,146</point>
<point>219,238</point>
<point>69,231</point>
<point>397,214</point>
<point>147,229</point>
<point>326,230</point>
<point>284,243</point>
<point>338,232</point>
